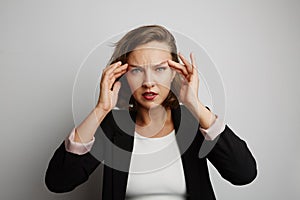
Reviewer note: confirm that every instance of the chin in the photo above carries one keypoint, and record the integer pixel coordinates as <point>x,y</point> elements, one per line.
<point>149,105</point>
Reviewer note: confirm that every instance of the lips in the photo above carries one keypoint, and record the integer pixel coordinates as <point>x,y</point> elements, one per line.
<point>149,95</point>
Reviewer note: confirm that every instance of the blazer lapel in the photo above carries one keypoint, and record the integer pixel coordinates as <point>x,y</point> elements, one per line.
<point>188,139</point>
<point>121,151</point>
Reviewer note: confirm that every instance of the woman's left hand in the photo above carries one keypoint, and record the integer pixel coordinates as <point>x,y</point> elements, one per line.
<point>190,81</point>
<point>189,90</point>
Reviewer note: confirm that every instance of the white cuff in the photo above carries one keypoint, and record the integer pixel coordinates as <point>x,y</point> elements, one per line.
<point>214,130</point>
<point>77,147</point>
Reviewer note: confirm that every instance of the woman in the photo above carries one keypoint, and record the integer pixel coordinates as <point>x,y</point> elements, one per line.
<point>144,76</point>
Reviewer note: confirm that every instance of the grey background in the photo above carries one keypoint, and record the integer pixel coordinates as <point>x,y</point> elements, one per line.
<point>255,45</point>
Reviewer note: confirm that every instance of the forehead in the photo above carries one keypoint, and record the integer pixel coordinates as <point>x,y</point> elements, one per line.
<point>150,53</point>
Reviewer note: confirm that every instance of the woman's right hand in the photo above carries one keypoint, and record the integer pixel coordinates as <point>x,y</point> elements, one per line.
<point>109,89</point>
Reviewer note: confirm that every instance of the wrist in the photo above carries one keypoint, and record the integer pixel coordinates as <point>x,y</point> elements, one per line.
<point>204,116</point>
<point>100,112</point>
<point>195,108</point>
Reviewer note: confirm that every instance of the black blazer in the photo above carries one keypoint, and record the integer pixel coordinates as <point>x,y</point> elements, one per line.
<point>229,155</point>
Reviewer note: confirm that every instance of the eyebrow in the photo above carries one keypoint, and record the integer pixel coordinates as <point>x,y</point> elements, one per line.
<point>151,66</point>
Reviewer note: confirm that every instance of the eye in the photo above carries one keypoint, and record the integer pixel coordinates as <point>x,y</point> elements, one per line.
<point>160,69</point>
<point>136,70</point>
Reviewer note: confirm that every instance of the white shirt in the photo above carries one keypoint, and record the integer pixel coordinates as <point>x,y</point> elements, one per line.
<point>156,170</point>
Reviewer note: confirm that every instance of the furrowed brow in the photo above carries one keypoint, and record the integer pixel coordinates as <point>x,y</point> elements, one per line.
<point>134,66</point>
<point>160,64</point>
<point>151,66</point>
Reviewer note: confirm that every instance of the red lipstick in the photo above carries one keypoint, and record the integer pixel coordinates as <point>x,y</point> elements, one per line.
<point>149,95</point>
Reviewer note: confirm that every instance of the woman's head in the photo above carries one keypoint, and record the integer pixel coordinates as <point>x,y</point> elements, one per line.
<point>149,80</point>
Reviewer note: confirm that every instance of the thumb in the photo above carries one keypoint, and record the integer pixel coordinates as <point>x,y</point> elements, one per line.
<point>116,87</point>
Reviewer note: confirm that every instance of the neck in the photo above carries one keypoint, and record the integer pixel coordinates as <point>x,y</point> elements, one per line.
<point>154,115</point>
<point>154,122</point>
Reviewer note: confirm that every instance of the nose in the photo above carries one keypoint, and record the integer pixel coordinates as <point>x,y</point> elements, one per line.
<point>148,80</point>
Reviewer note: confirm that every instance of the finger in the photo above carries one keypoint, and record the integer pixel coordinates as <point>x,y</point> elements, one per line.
<point>182,76</point>
<point>193,61</point>
<point>107,73</point>
<point>176,65</point>
<point>116,87</point>
<point>179,71</point>
<point>115,77</point>
<point>111,67</point>
<point>183,79</point>
<point>121,68</point>
<point>186,63</point>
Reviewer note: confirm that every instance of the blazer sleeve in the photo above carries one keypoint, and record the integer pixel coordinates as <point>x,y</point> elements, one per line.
<point>232,158</point>
<point>67,170</point>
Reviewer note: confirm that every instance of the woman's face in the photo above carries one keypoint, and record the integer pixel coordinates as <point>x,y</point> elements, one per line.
<point>149,75</point>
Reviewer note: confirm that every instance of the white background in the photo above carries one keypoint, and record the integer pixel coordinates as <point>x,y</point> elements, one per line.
<point>255,45</point>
